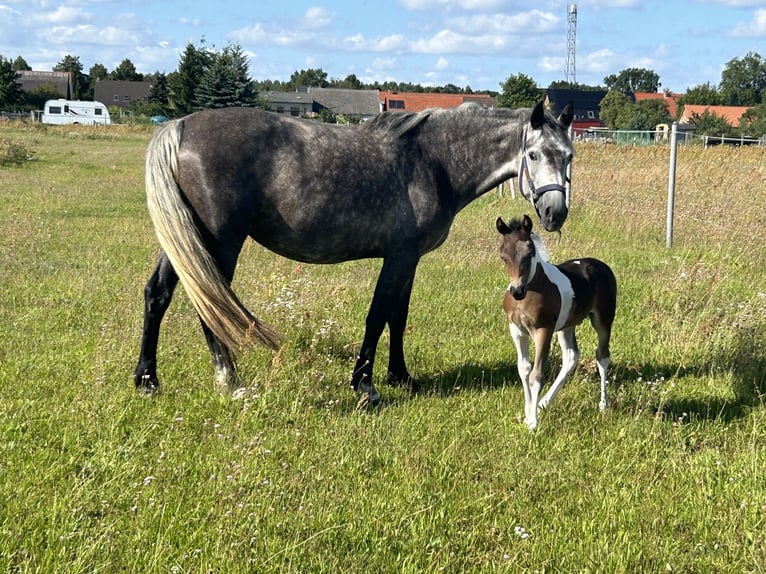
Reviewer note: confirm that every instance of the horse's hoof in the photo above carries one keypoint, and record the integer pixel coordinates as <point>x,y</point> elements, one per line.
<point>146,385</point>
<point>404,381</point>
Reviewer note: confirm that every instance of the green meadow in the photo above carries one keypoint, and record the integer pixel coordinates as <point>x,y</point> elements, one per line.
<point>292,478</point>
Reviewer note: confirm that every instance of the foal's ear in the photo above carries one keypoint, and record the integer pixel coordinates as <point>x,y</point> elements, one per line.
<point>567,115</point>
<point>501,226</point>
<point>538,116</point>
<point>526,224</point>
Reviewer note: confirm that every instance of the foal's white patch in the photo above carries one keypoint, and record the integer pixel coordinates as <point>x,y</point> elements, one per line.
<point>566,292</point>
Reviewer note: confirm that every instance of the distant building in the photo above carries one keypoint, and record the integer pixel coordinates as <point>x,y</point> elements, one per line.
<point>417,101</point>
<point>670,99</point>
<point>732,114</point>
<point>60,81</point>
<point>586,104</point>
<point>121,93</point>
<point>308,101</point>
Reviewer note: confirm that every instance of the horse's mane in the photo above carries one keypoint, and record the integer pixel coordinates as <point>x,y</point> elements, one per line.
<point>398,123</point>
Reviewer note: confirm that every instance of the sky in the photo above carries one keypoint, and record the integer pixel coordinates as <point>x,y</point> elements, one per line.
<point>476,43</point>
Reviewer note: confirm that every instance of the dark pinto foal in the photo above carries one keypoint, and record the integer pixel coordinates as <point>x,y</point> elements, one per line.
<point>543,299</point>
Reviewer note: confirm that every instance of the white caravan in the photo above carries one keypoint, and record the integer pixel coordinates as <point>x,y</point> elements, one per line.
<point>61,112</point>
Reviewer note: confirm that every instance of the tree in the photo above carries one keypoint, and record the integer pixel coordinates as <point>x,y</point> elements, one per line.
<point>753,122</point>
<point>351,82</point>
<point>126,70</point>
<point>72,65</point>
<point>704,95</point>
<point>183,83</point>
<point>225,82</point>
<point>159,93</point>
<point>709,124</point>
<point>743,82</point>
<point>615,107</point>
<point>519,91</point>
<point>564,85</point>
<point>11,95</point>
<point>313,77</point>
<point>632,80</point>
<point>20,64</point>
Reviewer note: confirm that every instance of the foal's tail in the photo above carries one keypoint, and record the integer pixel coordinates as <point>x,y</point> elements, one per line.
<point>218,307</point>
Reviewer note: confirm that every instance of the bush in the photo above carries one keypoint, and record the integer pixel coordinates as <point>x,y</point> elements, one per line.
<point>13,153</point>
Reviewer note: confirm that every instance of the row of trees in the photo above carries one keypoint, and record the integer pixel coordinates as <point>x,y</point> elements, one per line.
<point>210,78</point>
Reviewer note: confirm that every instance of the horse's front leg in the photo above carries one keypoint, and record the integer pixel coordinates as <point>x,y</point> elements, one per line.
<point>542,348</point>
<point>394,286</point>
<point>158,293</point>
<point>523,364</point>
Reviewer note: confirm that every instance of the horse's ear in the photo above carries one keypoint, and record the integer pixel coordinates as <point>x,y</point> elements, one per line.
<point>526,224</point>
<point>538,116</point>
<point>567,115</point>
<point>502,227</point>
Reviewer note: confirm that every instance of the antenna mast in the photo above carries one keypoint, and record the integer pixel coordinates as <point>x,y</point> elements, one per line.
<point>571,41</point>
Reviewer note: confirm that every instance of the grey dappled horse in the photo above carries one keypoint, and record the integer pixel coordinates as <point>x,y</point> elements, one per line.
<point>320,193</point>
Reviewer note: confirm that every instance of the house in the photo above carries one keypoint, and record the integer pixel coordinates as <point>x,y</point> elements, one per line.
<point>586,104</point>
<point>670,99</point>
<point>417,101</point>
<point>732,114</point>
<point>362,103</point>
<point>292,103</point>
<point>121,93</point>
<point>60,81</point>
<point>309,101</point>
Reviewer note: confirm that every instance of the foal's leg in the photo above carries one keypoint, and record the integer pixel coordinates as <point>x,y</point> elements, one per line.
<point>157,295</point>
<point>603,327</point>
<point>524,366</point>
<point>542,349</point>
<point>395,277</point>
<point>570,354</point>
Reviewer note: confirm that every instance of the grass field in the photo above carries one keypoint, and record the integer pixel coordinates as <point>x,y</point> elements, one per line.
<point>95,478</point>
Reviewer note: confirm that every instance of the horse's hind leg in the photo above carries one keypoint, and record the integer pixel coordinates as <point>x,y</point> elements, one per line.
<point>603,327</point>
<point>570,354</point>
<point>397,323</point>
<point>157,295</point>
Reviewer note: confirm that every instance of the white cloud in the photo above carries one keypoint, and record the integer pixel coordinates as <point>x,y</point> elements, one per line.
<point>598,62</point>
<point>358,43</point>
<point>449,42</point>
<point>530,22</point>
<point>316,18</point>
<point>755,28</point>
<point>429,5</point>
<point>442,63</point>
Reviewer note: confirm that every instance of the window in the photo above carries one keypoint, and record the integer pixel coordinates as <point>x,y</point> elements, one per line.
<point>54,110</point>
<point>395,104</point>
<point>295,111</point>
<point>126,98</point>
<point>97,111</point>
<point>591,115</point>
<point>280,109</point>
<point>116,98</point>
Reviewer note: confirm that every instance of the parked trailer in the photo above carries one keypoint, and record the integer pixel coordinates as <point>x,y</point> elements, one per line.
<point>61,112</point>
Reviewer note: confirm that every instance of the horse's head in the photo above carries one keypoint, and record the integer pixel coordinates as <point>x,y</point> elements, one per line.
<point>545,155</point>
<point>517,250</point>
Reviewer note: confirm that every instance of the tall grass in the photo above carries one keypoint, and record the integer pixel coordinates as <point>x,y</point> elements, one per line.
<point>94,478</point>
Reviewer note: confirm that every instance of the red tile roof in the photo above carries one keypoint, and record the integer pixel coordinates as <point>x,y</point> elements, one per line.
<point>671,100</point>
<point>417,101</point>
<point>731,114</point>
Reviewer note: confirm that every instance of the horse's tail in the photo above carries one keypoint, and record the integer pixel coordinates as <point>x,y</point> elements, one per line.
<point>209,291</point>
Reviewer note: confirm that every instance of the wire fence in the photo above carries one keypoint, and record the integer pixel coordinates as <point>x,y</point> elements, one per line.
<point>661,137</point>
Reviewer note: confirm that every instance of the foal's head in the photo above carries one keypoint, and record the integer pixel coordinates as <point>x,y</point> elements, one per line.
<point>519,251</point>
